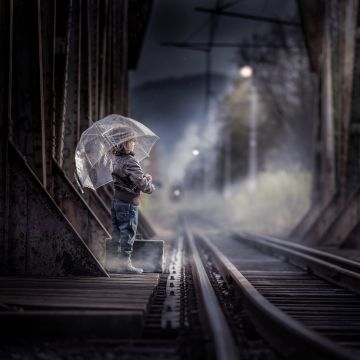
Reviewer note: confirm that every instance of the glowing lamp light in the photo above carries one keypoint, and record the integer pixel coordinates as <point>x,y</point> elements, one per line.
<point>246,71</point>
<point>177,192</point>
<point>195,152</point>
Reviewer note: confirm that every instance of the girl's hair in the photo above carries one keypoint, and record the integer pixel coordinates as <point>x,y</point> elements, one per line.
<point>123,148</point>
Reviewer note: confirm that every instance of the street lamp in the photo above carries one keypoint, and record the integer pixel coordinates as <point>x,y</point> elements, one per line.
<point>195,152</point>
<point>246,71</point>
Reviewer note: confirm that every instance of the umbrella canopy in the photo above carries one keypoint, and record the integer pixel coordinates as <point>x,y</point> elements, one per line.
<point>93,156</point>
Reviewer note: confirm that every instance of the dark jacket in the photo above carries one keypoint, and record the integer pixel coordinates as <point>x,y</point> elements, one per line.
<point>129,179</point>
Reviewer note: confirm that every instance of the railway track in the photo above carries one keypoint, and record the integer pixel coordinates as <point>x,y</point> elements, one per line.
<point>235,296</point>
<point>303,302</point>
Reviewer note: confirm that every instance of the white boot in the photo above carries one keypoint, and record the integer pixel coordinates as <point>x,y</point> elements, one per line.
<point>132,269</point>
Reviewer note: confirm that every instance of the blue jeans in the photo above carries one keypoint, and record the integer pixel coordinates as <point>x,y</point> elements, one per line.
<point>124,217</point>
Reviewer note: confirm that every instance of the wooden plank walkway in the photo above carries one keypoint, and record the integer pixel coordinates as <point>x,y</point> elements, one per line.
<point>76,306</point>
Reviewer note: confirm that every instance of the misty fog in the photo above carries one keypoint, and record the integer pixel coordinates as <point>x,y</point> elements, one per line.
<point>246,159</point>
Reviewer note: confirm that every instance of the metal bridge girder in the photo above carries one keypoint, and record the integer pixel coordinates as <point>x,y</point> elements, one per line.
<point>41,240</point>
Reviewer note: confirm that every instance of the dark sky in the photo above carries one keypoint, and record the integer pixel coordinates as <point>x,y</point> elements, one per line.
<point>177,20</point>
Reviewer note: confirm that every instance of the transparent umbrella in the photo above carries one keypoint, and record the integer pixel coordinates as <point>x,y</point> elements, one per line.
<point>93,157</point>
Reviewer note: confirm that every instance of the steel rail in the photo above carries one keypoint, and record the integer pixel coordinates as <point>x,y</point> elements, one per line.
<point>335,269</point>
<point>326,267</point>
<point>324,255</point>
<point>225,346</point>
<point>287,335</point>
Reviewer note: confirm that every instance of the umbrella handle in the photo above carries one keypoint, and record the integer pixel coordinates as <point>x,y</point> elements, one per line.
<point>78,182</point>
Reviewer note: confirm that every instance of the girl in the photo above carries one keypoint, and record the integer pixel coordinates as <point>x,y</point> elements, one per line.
<point>129,180</point>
